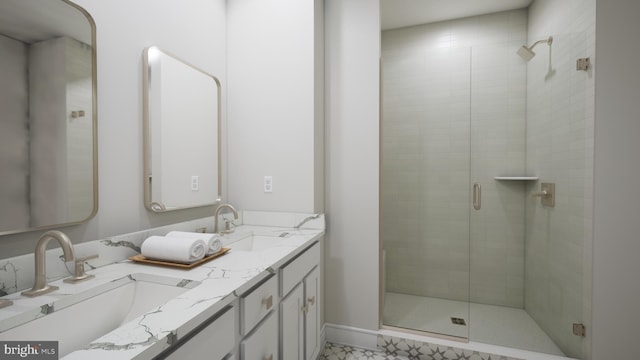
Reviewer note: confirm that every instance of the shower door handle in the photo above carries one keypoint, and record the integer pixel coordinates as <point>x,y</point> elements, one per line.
<point>477,196</point>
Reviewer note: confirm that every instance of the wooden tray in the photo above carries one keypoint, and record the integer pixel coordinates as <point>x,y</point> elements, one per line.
<point>141,259</point>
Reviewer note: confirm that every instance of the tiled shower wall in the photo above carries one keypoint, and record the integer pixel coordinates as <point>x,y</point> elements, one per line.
<point>454,114</point>
<point>560,109</point>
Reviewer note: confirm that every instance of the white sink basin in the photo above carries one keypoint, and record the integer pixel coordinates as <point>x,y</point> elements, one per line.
<point>106,308</point>
<point>255,242</point>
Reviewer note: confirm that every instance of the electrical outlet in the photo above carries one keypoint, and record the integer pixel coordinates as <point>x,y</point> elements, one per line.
<point>195,183</point>
<point>268,184</point>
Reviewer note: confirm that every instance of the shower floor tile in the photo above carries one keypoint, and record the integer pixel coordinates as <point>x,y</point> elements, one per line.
<point>426,314</point>
<point>487,324</point>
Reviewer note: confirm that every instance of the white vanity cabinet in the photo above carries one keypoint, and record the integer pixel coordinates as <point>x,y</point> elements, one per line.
<point>213,340</point>
<point>277,319</point>
<point>300,307</point>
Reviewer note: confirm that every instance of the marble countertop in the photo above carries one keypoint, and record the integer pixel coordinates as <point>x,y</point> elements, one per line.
<point>218,283</point>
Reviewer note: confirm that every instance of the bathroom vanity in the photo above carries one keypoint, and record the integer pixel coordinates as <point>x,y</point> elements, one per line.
<point>262,300</point>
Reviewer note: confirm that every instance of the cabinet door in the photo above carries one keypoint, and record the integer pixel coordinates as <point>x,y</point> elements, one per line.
<point>312,314</point>
<point>292,325</point>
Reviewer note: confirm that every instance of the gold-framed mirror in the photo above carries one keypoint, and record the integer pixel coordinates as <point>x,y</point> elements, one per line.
<point>182,133</point>
<point>48,122</point>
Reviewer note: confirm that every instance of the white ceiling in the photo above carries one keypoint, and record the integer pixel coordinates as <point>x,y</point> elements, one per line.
<point>402,13</point>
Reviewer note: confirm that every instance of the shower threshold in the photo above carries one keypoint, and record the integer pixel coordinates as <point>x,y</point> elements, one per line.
<point>487,324</point>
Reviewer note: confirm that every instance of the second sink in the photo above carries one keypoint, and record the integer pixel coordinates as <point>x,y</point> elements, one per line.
<point>255,242</point>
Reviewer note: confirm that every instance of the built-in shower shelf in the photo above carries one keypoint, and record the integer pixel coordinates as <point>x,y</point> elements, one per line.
<point>516,178</point>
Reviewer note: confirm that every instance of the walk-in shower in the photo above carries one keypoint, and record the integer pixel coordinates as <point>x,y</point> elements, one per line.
<point>469,133</point>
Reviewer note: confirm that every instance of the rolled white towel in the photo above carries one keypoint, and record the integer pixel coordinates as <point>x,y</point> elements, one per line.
<point>214,243</point>
<point>183,250</point>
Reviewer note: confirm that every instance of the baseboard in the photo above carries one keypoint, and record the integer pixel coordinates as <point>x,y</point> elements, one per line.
<point>347,335</point>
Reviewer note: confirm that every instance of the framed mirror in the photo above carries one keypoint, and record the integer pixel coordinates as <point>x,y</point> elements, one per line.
<point>182,126</point>
<point>48,122</point>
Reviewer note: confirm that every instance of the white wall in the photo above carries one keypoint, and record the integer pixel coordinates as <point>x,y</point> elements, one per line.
<point>616,249</point>
<point>319,134</point>
<point>192,29</point>
<point>272,104</point>
<point>352,39</point>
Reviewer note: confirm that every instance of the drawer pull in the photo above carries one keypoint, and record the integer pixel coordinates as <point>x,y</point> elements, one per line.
<point>270,357</point>
<point>305,309</point>
<point>312,301</point>
<point>268,302</point>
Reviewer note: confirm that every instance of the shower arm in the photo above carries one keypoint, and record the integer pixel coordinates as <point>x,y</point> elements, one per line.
<point>549,41</point>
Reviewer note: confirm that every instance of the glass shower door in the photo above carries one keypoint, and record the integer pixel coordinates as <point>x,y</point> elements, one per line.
<point>498,134</point>
<point>425,199</point>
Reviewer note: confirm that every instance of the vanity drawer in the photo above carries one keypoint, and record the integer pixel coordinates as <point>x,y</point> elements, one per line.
<point>293,273</point>
<point>262,344</point>
<point>256,304</point>
<point>214,340</point>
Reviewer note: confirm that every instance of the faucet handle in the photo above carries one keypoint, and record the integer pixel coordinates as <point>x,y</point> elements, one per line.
<point>79,274</point>
<point>83,259</point>
<point>228,226</point>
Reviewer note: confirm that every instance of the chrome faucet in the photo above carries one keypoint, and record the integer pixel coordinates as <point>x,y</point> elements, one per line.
<point>227,227</point>
<point>41,287</point>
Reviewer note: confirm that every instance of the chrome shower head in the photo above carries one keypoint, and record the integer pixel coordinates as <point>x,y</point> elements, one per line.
<point>527,53</point>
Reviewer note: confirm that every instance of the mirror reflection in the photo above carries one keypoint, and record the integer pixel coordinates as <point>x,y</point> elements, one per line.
<point>182,133</point>
<point>48,120</point>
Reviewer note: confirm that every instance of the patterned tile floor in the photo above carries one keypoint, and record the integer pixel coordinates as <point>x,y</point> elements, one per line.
<point>413,350</point>
<point>344,352</point>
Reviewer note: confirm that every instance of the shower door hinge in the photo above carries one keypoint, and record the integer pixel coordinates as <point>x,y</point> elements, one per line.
<point>579,330</point>
<point>583,64</point>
